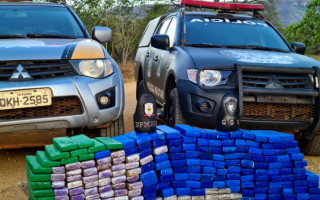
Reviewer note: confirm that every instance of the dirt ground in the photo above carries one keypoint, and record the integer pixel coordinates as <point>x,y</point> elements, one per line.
<point>12,162</point>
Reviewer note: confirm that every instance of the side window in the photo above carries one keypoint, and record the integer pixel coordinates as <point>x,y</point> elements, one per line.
<point>164,27</point>
<point>172,31</point>
<point>149,31</point>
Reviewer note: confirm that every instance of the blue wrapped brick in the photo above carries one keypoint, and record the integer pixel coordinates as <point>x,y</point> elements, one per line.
<point>147,167</point>
<point>247,171</point>
<point>149,182</point>
<point>170,132</point>
<point>193,161</point>
<point>161,157</point>
<point>206,163</point>
<point>188,140</point>
<point>148,175</point>
<point>178,163</point>
<point>162,165</point>
<point>203,142</point>
<point>233,162</point>
<point>160,186</point>
<point>179,184</point>
<point>131,151</point>
<point>194,169</point>
<point>159,143</point>
<point>182,191</point>
<point>128,143</point>
<point>148,190</point>
<point>197,192</point>
<point>187,130</point>
<point>181,176</point>
<point>174,142</point>
<point>139,138</point>
<point>203,149</point>
<point>209,134</point>
<point>144,146</point>
<point>195,176</point>
<point>189,147</point>
<point>167,192</point>
<point>177,156</point>
<point>193,154</point>
<point>145,153</point>
<point>102,154</point>
<point>157,135</point>
<point>215,143</point>
<point>193,184</point>
<point>175,150</point>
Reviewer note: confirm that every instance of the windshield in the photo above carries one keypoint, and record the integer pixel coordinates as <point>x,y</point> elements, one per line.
<point>232,33</point>
<point>38,20</point>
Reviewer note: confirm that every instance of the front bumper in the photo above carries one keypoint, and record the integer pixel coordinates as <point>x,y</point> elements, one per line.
<point>78,88</point>
<point>259,108</point>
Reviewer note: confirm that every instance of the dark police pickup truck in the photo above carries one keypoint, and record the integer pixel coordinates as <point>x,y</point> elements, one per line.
<point>205,68</point>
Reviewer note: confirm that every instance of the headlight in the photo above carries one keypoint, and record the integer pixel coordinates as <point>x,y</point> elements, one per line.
<point>209,78</point>
<point>93,68</point>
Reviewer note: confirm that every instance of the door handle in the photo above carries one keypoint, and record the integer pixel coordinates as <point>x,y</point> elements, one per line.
<point>156,59</point>
<point>147,54</point>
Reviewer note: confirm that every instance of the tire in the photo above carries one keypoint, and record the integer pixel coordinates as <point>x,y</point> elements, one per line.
<point>174,114</point>
<point>116,128</point>
<point>310,147</point>
<point>140,89</point>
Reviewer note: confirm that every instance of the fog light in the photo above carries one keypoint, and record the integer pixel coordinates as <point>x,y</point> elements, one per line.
<point>205,106</point>
<point>104,100</point>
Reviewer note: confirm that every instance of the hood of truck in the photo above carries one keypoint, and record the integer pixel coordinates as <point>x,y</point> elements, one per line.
<point>50,49</point>
<point>216,57</point>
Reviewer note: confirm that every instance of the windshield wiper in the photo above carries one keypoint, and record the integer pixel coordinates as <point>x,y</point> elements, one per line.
<point>33,35</point>
<point>12,36</point>
<point>255,48</point>
<point>204,45</point>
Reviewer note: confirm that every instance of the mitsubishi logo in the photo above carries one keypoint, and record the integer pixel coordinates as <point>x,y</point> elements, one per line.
<point>274,83</point>
<point>20,73</point>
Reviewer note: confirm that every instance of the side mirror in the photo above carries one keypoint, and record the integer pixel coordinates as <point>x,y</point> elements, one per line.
<point>102,34</point>
<point>299,48</point>
<point>160,41</point>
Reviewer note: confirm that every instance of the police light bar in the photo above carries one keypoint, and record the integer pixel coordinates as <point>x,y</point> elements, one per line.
<point>222,6</point>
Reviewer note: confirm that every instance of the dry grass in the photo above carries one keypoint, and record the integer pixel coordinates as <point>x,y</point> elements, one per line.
<point>128,72</point>
<point>315,56</point>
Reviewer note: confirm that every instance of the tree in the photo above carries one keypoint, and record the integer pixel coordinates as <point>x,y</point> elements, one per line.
<point>308,30</point>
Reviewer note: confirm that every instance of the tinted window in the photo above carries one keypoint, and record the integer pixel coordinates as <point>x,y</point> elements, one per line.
<point>145,40</point>
<point>21,20</point>
<point>164,26</point>
<point>172,31</point>
<point>232,32</point>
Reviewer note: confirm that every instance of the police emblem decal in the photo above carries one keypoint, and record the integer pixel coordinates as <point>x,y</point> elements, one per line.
<point>148,110</point>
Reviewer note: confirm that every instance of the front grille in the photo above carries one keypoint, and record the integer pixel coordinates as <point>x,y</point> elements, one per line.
<point>41,69</point>
<point>61,106</point>
<point>277,111</point>
<point>292,81</point>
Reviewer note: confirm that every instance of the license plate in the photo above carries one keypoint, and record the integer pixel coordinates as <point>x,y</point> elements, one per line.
<point>25,98</point>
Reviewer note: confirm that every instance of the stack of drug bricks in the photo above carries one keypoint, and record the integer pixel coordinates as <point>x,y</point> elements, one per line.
<point>184,163</point>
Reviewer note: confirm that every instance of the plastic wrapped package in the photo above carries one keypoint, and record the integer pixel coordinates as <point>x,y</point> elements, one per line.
<point>146,160</point>
<point>61,198</point>
<point>93,197</point>
<point>118,167</point>
<point>90,171</point>
<point>121,192</point>
<point>61,192</point>
<point>104,167</point>
<point>133,172</point>
<point>91,184</point>
<point>119,186</point>
<point>73,166</point>
<point>119,179</point>
<point>133,158</point>
<point>211,191</point>
<point>134,178</point>
<point>104,161</point>
<point>198,198</point>
<point>58,177</point>
<point>135,185</point>
<point>74,184</point>
<point>174,197</point>
<point>132,165</point>
<point>107,194</point>
<point>78,197</point>
<point>76,191</point>
<point>118,173</point>
<point>122,198</point>
<point>91,191</point>
<point>105,188</point>
<point>160,150</point>
<point>119,160</point>
<point>58,170</point>
<point>184,197</point>
<point>58,184</point>
<point>105,181</point>
<point>74,172</point>
<point>105,174</point>
<point>137,198</point>
<point>74,178</point>
<point>134,193</point>
<point>117,154</point>
<point>88,164</point>
<point>90,179</point>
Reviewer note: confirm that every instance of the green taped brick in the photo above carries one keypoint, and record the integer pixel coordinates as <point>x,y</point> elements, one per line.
<point>38,185</point>
<point>98,146</point>
<point>65,144</point>
<point>45,161</point>
<point>78,152</point>
<point>37,177</point>
<point>89,156</point>
<point>55,154</point>
<point>41,198</point>
<point>41,193</point>
<point>36,167</point>
<point>69,160</point>
<point>82,141</point>
<point>110,143</point>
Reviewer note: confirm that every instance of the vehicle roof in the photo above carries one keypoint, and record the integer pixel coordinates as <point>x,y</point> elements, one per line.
<point>224,15</point>
<point>28,3</point>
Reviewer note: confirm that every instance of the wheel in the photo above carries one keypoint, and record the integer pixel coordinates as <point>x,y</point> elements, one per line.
<point>115,129</point>
<point>173,114</point>
<point>140,89</point>
<point>310,147</point>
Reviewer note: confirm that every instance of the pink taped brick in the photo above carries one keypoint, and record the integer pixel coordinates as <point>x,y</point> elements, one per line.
<point>104,161</point>
<point>78,197</point>
<point>76,191</point>
<point>118,167</point>
<point>137,198</point>
<point>91,191</point>
<point>119,173</point>
<point>88,164</point>
<point>119,160</point>
<point>61,198</point>
<point>58,184</point>
<point>73,166</point>
<point>119,186</point>
<point>105,174</point>
<point>91,185</point>
<point>74,184</point>
<point>74,172</point>
<point>58,170</point>
<point>146,160</point>
<point>134,193</point>
<point>105,188</point>
<point>122,192</point>
<point>120,179</point>
<point>122,198</point>
<point>61,192</point>
<point>132,165</point>
<point>160,150</point>
<point>133,172</point>
<point>107,194</point>
<point>117,154</point>
<point>90,179</point>
<point>135,185</point>
<point>104,167</point>
<point>105,181</point>
<point>93,197</point>
<point>58,177</point>
<point>133,178</point>
<point>133,158</point>
<point>90,171</point>
<point>74,178</point>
